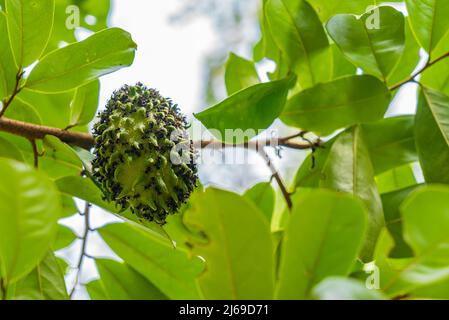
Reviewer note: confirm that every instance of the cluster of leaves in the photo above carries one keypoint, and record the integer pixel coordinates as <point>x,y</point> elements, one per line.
<point>359,208</point>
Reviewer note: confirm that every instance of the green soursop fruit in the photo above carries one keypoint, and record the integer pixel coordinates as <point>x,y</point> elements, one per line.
<point>144,159</point>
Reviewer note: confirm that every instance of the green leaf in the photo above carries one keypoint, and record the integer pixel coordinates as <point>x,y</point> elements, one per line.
<point>64,238</point>
<point>299,33</point>
<point>85,104</point>
<point>29,209</point>
<point>266,47</point>
<point>22,111</point>
<point>337,104</point>
<point>391,202</point>
<point>68,206</point>
<point>249,110</point>
<point>323,237</point>
<point>340,65</point>
<point>429,21</point>
<point>327,9</point>
<point>53,109</point>
<point>8,70</point>
<point>9,150</point>
<point>30,23</point>
<point>391,142</point>
<point>436,291</point>
<point>54,159</point>
<point>432,135</point>
<point>427,236</point>
<point>238,258</point>
<point>396,178</point>
<point>409,59</point>
<point>262,195</point>
<point>340,288</point>
<point>45,282</point>
<point>374,48</point>
<point>240,74</point>
<point>169,269</point>
<point>121,282</point>
<point>310,172</point>
<point>84,188</point>
<point>96,291</point>
<point>348,169</point>
<point>79,63</point>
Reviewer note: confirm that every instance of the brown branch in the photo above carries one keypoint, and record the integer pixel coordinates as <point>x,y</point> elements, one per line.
<point>86,141</point>
<point>33,132</point>
<point>35,153</point>
<point>15,92</point>
<point>278,178</point>
<point>417,73</point>
<point>83,253</point>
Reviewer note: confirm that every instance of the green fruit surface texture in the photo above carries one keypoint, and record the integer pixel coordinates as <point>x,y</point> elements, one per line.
<point>144,159</point>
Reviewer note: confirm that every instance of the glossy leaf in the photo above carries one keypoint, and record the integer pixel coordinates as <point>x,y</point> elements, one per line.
<point>427,236</point>
<point>340,65</point>
<point>239,74</point>
<point>45,282</point>
<point>262,195</point>
<point>249,110</point>
<point>391,203</point>
<point>238,258</point>
<point>432,135</point>
<point>337,104</point>
<point>79,63</point>
<point>327,9</point>
<point>391,142</point>
<point>169,269</point>
<point>120,282</point>
<point>64,237</point>
<point>30,23</point>
<point>374,48</point>
<point>8,70</point>
<point>429,21</point>
<point>96,291</point>
<point>85,104</point>
<point>319,241</point>
<point>340,288</point>
<point>348,169</point>
<point>409,59</point>
<point>9,150</point>
<point>299,33</point>
<point>395,179</point>
<point>29,202</point>
<point>53,109</point>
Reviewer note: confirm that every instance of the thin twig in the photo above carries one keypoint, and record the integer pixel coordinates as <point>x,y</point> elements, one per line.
<point>35,153</point>
<point>417,73</point>
<point>83,253</point>
<point>15,92</point>
<point>277,177</point>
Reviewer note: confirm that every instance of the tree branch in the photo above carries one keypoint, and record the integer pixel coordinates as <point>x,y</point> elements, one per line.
<point>15,92</point>
<point>35,153</point>
<point>33,132</point>
<point>83,253</point>
<point>417,73</point>
<point>278,178</point>
<point>86,141</point>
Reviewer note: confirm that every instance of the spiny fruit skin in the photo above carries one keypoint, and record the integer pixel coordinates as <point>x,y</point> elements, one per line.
<point>136,160</point>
